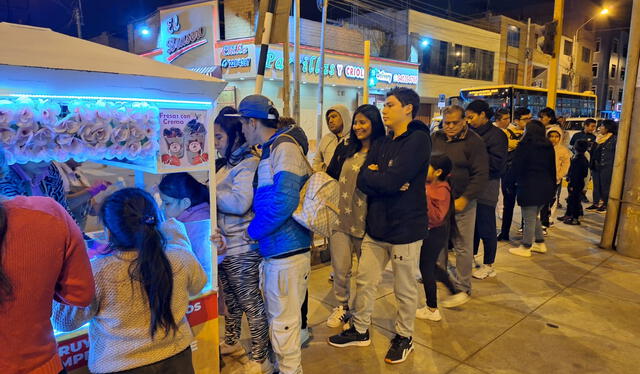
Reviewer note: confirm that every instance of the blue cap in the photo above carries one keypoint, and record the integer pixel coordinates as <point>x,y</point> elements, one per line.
<point>254,106</point>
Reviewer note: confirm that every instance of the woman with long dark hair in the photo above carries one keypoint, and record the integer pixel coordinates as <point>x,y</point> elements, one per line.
<point>602,164</point>
<point>42,257</point>
<point>534,167</point>
<point>345,165</point>
<point>137,321</point>
<point>239,272</point>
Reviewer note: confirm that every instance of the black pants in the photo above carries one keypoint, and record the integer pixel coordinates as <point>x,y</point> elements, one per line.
<point>486,230</point>
<point>574,202</point>
<point>305,310</point>
<point>545,213</point>
<point>435,242</point>
<point>177,364</point>
<point>509,203</point>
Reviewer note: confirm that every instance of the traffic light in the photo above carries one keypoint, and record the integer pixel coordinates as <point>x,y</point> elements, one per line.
<point>549,33</point>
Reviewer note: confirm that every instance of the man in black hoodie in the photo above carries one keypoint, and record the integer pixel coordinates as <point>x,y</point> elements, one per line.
<point>393,178</point>
<point>469,177</point>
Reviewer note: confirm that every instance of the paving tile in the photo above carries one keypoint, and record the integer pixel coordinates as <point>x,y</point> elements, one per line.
<point>465,369</point>
<point>515,291</point>
<point>612,282</point>
<point>609,317</point>
<point>623,263</point>
<point>462,331</point>
<point>534,347</point>
<point>320,357</point>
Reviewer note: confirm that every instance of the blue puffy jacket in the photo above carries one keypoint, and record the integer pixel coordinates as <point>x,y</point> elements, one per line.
<point>282,172</point>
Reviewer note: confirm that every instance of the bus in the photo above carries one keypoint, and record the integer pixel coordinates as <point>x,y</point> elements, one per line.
<point>568,104</point>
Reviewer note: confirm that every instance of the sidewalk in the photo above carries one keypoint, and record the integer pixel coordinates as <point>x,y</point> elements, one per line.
<point>572,310</point>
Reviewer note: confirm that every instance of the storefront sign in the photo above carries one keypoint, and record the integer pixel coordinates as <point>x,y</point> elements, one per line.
<point>181,45</point>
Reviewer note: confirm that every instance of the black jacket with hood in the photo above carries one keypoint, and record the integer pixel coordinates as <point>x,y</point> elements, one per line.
<point>395,216</point>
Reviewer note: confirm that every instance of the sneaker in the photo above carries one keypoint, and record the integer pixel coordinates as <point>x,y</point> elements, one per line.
<point>503,237</point>
<point>455,300</point>
<point>572,221</point>
<point>305,336</point>
<point>337,317</point>
<point>520,251</point>
<point>486,271</point>
<point>399,350</point>
<point>539,247</point>
<point>592,207</point>
<point>255,367</point>
<point>564,218</point>
<point>350,337</point>
<point>233,350</point>
<point>426,313</point>
<point>602,209</point>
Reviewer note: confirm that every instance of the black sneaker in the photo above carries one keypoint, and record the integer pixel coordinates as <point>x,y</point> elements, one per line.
<point>503,237</point>
<point>350,337</point>
<point>399,350</point>
<point>602,209</point>
<point>572,221</point>
<point>592,207</point>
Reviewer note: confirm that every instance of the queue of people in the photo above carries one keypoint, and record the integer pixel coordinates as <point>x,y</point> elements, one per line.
<point>407,197</point>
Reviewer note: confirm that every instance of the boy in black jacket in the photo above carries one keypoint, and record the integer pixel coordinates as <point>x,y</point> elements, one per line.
<point>578,171</point>
<point>393,178</point>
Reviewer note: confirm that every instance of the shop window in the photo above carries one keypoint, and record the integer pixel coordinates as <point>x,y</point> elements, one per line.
<point>457,60</point>
<point>568,47</point>
<point>598,42</point>
<point>613,70</point>
<point>594,70</point>
<point>513,36</point>
<point>586,54</point>
<point>511,73</point>
<point>622,72</point>
<point>565,81</point>
<point>620,92</point>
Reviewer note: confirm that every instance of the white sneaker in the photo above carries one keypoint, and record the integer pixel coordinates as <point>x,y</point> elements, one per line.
<point>539,247</point>
<point>455,300</point>
<point>305,336</point>
<point>486,271</point>
<point>337,317</point>
<point>235,350</point>
<point>255,367</point>
<point>520,251</point>
<point>426,313</point>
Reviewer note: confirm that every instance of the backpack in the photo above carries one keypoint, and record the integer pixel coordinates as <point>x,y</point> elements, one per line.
<point>319,200</point>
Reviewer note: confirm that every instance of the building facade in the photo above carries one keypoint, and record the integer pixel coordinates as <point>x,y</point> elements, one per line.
<point>609,70</point>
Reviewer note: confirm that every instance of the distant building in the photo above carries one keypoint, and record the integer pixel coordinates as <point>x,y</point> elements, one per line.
<point>608,69</point>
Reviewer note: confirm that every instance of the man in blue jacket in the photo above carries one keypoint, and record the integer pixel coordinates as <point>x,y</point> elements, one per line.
<point>284,244</point>
<point>393,178</point>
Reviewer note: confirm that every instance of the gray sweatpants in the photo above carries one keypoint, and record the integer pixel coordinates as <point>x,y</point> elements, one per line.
<point>462,237</point>
<point>373,260</point>
<point>342,247</point>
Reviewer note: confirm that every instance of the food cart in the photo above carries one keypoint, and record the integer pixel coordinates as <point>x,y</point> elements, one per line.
<point>66,98</point>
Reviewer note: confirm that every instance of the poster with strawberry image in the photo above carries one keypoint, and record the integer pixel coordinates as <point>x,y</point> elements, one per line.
<point>183,138</point>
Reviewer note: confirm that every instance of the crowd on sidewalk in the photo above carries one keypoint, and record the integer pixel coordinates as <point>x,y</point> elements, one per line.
<point>405,196</point>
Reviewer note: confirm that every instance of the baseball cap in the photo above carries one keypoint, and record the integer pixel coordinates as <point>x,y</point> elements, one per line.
<point>254,106</point>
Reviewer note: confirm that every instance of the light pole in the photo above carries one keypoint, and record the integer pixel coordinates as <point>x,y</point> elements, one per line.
<point>574,52</point>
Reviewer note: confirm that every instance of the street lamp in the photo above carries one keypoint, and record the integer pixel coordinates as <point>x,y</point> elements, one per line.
<point>574,59</point>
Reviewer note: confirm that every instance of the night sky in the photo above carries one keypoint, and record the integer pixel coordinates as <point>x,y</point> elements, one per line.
<point>113,16</point>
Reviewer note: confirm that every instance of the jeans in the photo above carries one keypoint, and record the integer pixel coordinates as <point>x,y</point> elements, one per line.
<point>549,208</point>
<point>462,237</point>
<point>177,364</point>
<point>509,203</point>
<point>485,229</point>
<point>373,260</point>
<point>342,247</point>
<point>240,278</point>
<point>284,285</point>
<point>433,244</point>
<point>532,226</point>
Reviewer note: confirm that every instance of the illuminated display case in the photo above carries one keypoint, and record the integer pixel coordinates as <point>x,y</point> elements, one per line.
<point>63,98</point>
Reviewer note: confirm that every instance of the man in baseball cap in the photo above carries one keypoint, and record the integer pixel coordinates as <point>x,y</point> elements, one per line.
<point>255,106</point>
